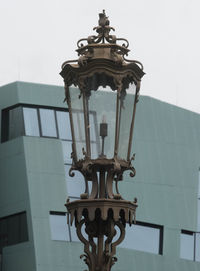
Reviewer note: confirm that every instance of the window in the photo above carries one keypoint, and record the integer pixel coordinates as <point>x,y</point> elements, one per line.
<point>13,230</point>
<point>12,123</point>
<point>63,125</point>
<point>59,227</point>
<point>197,247</point>
<point>30,120</point>
<point>190,245</point>
<point>31,127</point>
<point>35,121</point>
<point>60,230</point>
<point>144,237</point>
<point>48,122</point>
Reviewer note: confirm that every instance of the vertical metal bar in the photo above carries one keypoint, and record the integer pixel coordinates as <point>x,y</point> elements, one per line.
<point>117,124</point>
<point>71,123</point>
<point>194,257</point>
<point>102,188</point>
<point>102,147</point>
<point>97,137</point>
<point>133,120</point>
<point>88,121</point>
<point>87,127</point>
<point>160,249</point>
<point>100,250</point>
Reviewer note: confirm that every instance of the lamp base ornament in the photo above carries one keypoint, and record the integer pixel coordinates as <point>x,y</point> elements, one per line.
<point>104,222</point>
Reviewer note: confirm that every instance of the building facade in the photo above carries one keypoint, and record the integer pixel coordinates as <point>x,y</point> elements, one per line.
<point>35,156</point>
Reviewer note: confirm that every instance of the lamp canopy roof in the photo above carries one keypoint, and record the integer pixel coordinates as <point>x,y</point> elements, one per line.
<point>102,59</point>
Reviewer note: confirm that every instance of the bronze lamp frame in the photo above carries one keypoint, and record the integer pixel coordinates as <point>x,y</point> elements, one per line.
<point>101,210</point>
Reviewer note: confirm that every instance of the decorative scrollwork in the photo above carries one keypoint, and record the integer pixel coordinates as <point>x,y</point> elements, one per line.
<point>94,257</point>
<point>102,184</point>
<point>86,46</point>
<point>133,171</point>
<point>134,61</point>
<point>103,30</point>
<point>69,61</point>
<point>133,157</point>
<point>71,173</point>
<point>124,45</point>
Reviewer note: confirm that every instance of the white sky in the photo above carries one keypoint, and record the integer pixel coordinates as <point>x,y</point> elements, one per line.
<point>37,36</point>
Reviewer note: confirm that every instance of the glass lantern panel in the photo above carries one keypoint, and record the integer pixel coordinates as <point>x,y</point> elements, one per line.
<point>102,116</point>
<point>78,121</point>
<point>126,105</point>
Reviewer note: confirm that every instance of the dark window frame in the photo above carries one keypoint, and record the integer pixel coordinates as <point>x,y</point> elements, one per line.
<point>40,123</point>
<point>161,233</point>
<point>5,120</point>
<point>59,213</point>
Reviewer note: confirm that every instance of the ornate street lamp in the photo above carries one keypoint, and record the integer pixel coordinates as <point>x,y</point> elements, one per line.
<point>96,116</point>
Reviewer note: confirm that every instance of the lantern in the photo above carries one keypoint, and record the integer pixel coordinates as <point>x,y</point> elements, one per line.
<point>102,90</point>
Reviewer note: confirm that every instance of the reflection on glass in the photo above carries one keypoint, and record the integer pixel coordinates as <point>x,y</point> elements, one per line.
<point>187,246</point>
<point>103,103</point>
<point>125,119</point>
<point>67,149</point>
<point>142,238</point>
<point>94,120</point>
<point>78,121</point>
<point>103,133</point>
<point>48,123</point>
<point>93,126</point>
<point>31,121</point>
<point>76,184</point>
<point>59,228</point>
<point>79,126</point>
<point>64,129</point>
<point>16,125</point>
<point>94,150</point>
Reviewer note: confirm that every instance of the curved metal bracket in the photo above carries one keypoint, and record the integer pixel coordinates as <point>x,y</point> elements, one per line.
<point>99,256</point>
